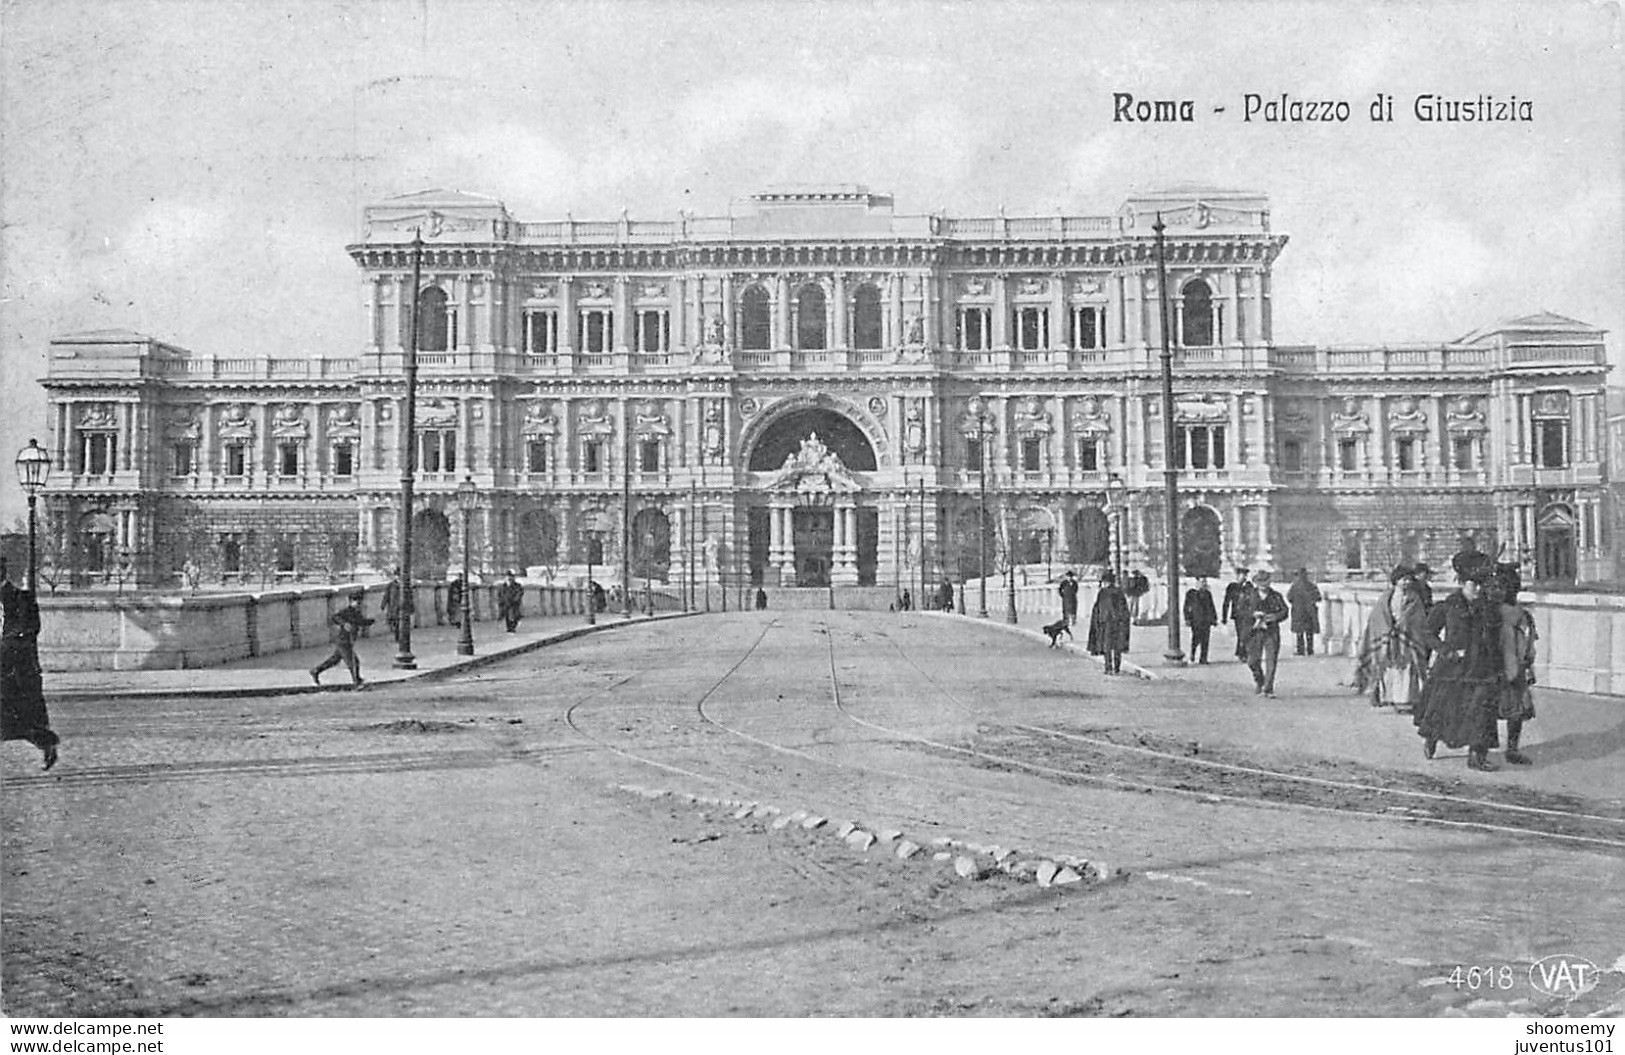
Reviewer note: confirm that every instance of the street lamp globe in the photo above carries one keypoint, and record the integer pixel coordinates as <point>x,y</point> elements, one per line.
<point>33,468</point>
<point>468,495</point>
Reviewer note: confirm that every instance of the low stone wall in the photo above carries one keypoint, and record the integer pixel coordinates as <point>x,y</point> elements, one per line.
<point>1582,635</point>
<point>100,631</point>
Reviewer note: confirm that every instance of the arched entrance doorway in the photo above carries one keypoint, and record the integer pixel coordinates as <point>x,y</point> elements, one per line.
<point>431,544</point>
<point>538,542</point>
<point>1554,543</point>
<point>1199,543</point>
<point>1091,541</point>
<point>816,530</point>
<point>651,545</point>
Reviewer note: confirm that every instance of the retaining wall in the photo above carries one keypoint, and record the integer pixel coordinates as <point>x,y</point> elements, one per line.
<point>138,631</point>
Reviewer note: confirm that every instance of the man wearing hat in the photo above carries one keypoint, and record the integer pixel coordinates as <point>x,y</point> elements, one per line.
<point>510,601</point>
<point>346,625</point>
<point>1068,589</point>
<point>1231,610</point>
<point>1264,610</point>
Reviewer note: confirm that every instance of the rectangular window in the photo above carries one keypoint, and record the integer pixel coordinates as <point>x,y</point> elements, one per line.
<point>343,459</point>
<point>1089,455</point>
<point>287,459</point>
<point>649,456</point>
<point>1199,448</point>
<point>236,459</point>
<point>282,551</point>
<point>1032,329</point>
<point>592,456</point>
<point>1462,448</point>
<point>597,331</point>
<point>1348,456</point>
<point>540,333</point>
<point>654,331</point>
<point>99,451</point>
<point>1292,456</point>
<point>182,459</point>
<point>1088,328</point>
<point>1552,439</point>
<point>536,455</point>
<point>1032,455</point>
<point>1405,454</point>
<point>231,554</point>
<point>437,451</point>
<point>973,455</point>
<point>975,334</point>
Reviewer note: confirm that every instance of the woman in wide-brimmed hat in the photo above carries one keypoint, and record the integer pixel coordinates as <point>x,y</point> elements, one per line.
<point>1460,696</point>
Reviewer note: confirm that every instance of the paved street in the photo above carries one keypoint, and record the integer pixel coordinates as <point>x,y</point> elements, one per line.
<point>469,845</point>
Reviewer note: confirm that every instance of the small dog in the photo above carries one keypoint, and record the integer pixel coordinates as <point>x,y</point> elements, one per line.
<point>1055,630</point>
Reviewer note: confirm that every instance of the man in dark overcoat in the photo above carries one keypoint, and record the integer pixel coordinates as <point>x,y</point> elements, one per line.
<point>1200,616</point>
<point>1233,594</point>
<point>1304,599</point>
<point>1068,589</point>
<point>511,602</point>
<point>345,626</point>
<point>1109,624</point>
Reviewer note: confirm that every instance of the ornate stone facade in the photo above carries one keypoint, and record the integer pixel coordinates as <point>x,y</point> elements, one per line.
<point>711,356</point>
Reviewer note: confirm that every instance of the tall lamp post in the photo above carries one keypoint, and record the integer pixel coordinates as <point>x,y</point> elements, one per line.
<point>1174,654</point>
<point>33,469</point>
<point>598,525</point>
<point>468,499</point>
<point>981,517</point>
<point>1117,502</point>
<point>648,573</point>
<point>404,660</point>
<point>1010,570</point>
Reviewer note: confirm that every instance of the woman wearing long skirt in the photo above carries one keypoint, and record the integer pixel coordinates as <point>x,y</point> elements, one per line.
<point>1393,649</point>
<point>22,690</point>
<point>1516,697</point>
<point>1460,698</point>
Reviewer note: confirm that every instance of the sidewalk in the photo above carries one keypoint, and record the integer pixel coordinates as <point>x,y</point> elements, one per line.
<point>288,673</point>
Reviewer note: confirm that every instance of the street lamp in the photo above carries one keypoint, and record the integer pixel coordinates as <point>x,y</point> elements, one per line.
<point>981,516</point>
<point>33,469</point>
<point>468,499</point>
<point>1170,472</point>
<point>404,660</point>
<point>598,524</point>
<point>648,573</point>
<point>1117,500</point>
<point>1010,569</point>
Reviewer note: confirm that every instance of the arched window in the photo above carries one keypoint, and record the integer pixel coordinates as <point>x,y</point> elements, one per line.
<point>867,329</point>
<point>755,319</point>
<point>810,318</point>
<point>1196,315</point>
<point>434,330</point>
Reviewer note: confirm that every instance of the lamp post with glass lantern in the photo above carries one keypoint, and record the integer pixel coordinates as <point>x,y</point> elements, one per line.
<point>981,516</point>
<point>404,660</point>
<point>468,499</point>
<point>1010,570</point>
<point>1117,501</point>
<point>648,573</point>
<point>1170,472</point>
<point>33,469</point>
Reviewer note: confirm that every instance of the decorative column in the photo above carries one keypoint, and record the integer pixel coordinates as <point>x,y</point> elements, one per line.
<point>840,340</point>
<point>1235,456</point>
<point>621,302</point>
<point>1266,552</point>
<point>567,314</point>
<point>1237,547</point>
<point>845,570</point>
<point>1001,311</point>
<point>1058,321</point>
<point>403,311</point>
<point>781,312</point>
<point>729,323</point>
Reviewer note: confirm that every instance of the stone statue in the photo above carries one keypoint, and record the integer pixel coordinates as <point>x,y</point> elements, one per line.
<point>713,329</point>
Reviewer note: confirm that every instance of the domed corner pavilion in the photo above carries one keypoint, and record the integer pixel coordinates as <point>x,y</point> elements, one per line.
<point>809,523</point>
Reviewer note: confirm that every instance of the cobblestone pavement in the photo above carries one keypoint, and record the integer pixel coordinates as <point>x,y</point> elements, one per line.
<point>459,847</point>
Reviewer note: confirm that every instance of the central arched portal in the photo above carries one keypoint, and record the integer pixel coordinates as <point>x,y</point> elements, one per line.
<point>809,524</point>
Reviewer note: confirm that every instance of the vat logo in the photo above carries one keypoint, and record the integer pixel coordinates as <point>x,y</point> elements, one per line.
<point>1563,976</point>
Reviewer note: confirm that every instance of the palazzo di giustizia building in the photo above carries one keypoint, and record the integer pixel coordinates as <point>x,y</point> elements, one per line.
<point>811,389</point>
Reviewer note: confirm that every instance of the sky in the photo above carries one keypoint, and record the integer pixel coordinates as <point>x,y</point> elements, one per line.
<point>193,169</point>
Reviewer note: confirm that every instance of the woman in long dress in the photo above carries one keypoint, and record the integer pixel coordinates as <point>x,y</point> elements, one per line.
<point>1461,696</point>
<point>1393,650</point>
<point>22,693</point>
